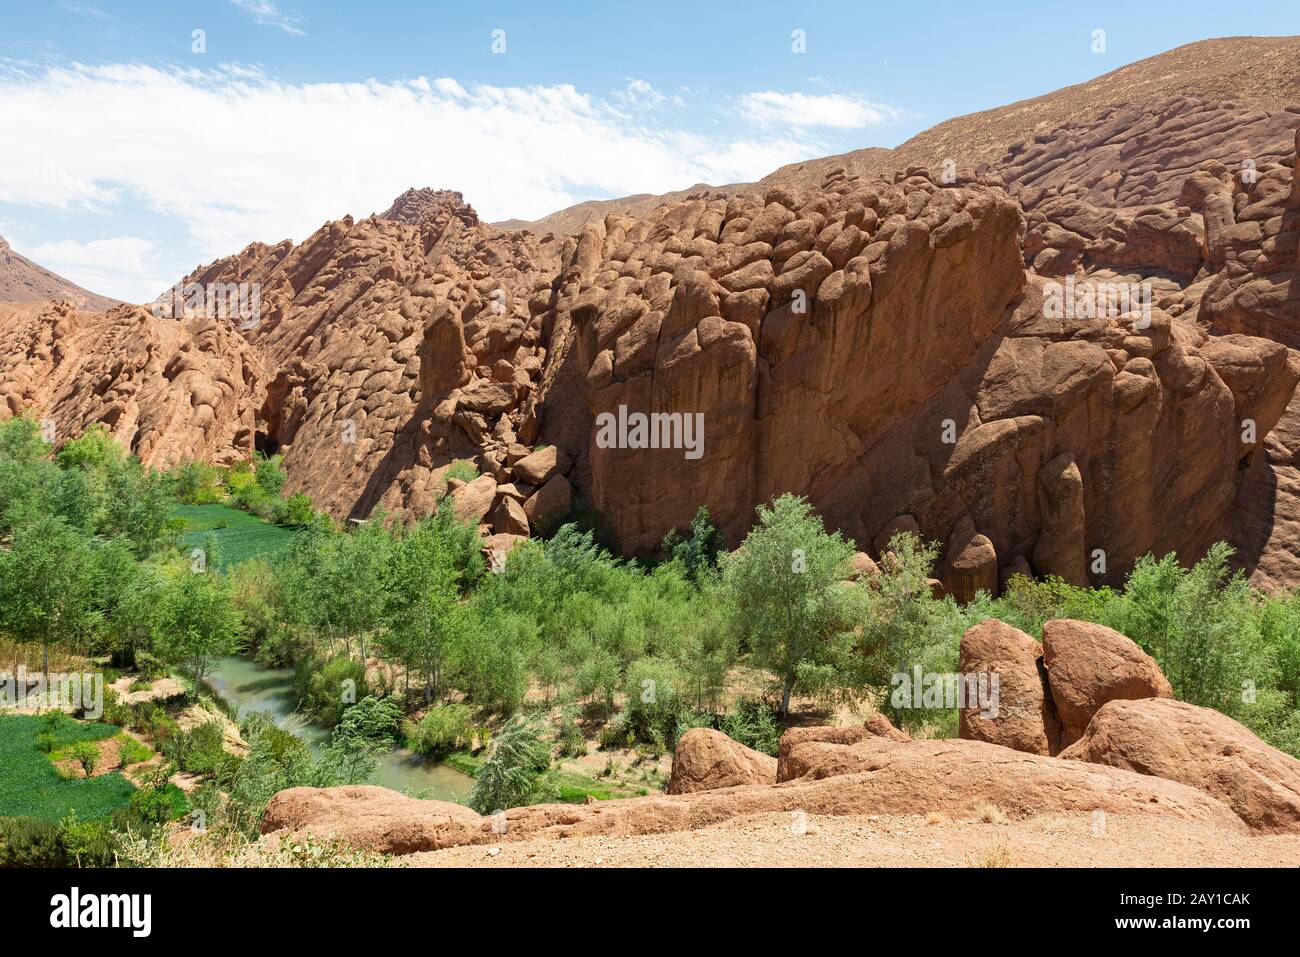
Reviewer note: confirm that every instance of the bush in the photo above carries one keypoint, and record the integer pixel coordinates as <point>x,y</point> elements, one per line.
<point>444,729</point>
<point>86,754</point>
<point>30,842</point>
<point>754,725</point>
<point>615,735</point>
<point>569,739</point>
<point>654,706</point>
<point>511,775</point>
<point>325,690</point>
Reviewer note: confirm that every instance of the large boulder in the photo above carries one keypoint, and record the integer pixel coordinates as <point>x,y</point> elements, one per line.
<point>373,818</point>
<point>788,767</point>
<point>971,563</point>
<point>952,775</point>
<point>539,466</point>
<point>1199,747</point>
<point>706,759</point>
<point>549,504</point>
<point>1088,665</point>
<point>1022,718</point>
<point>472,500</point>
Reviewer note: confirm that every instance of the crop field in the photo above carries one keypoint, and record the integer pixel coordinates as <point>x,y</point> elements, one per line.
<point>240,536</point>
<point>30,786</point>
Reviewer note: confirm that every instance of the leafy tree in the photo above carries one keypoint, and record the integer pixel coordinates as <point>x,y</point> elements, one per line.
<point>420,586</point>
<point>1199,624</point>
<point>785,586</point>
<point>197,621</point>
<point>21,440</point>
<point>698,552</point>
<point>47,583</point>
<point>137,505</point>
<point>269,476</point>
<point>95,451</point>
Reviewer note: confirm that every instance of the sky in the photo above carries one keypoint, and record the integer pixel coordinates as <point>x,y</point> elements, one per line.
<point>139,140</point>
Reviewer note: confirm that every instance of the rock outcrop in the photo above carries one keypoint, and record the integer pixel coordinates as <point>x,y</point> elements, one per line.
<point>706,759</point>
<point>1088,665</point>
<point>1023,716</point>
<point>872,776</point>
<point>169,390</point>
<point>1199,747</point>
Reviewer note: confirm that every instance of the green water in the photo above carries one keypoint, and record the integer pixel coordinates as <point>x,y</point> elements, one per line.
<point>250,687</point>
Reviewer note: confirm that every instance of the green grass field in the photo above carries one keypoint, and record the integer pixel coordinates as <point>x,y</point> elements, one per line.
<point>31,787</point>
<point>243,536</point>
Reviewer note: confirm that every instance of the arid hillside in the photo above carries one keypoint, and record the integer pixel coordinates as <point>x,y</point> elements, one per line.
<point>21,280</point>
<point>1255,73</point>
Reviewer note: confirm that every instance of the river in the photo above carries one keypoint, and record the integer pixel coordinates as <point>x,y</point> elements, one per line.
<point>250,687</point>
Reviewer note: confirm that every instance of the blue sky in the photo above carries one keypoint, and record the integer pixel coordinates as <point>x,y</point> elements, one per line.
<point>133,153</point>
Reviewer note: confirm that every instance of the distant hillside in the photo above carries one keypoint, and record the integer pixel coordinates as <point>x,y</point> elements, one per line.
<point>1261,73</point>
<point>22,280</point>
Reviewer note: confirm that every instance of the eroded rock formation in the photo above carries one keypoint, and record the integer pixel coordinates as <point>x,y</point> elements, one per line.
<point>935,350</point>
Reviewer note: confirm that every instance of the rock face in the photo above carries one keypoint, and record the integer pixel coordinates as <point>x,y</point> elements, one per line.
<point>706,759</point>
<point>1202,748</point>
<point>1024,717</point>
<point>911,350</point>
<point>1089,665</point>
<point>168,390</point>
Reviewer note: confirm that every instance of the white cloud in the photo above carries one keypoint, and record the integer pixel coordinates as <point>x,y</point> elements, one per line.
<point>235,156</point>
<point>126,264</point>
<point>639,94</point>
<point>804,110</point>
<point>268,14</point>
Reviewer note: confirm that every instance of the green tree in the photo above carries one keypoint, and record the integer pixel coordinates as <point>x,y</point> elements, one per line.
<point>197,622</point>
<point>784,583</point>
<point>421,590</point>
<point>21,440</point>
<point>698,552</point>
<point>47,583</point>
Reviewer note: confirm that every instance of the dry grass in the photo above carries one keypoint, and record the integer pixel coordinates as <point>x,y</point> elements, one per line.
<point>998,854</point>
<point>990,814</point>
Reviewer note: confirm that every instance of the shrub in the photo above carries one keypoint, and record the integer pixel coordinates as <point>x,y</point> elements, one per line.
<point>753,724</point>
<point>615,735</point>
<point>569,739</point>
<point>326,689</point>
<point>511,775</point>
<point>444,729</point>
<point>30,842</point>
<point>86,754</point>
<point>698,551</point>
<point>654,706</point>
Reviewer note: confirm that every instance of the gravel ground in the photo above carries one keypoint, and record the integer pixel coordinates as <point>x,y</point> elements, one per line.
<point>770,840</point>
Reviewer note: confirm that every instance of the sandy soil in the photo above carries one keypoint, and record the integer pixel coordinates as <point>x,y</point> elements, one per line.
<point>769,840</point>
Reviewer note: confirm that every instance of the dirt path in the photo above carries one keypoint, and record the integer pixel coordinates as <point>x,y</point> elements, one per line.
<point>769,840</point>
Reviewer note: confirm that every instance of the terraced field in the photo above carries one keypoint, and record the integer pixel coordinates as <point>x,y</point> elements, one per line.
<point>31,787</point>
<point>240,536</point>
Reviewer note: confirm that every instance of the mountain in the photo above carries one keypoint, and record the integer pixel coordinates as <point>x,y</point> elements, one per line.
<point>21,280</point>
<point>1255,73</point>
